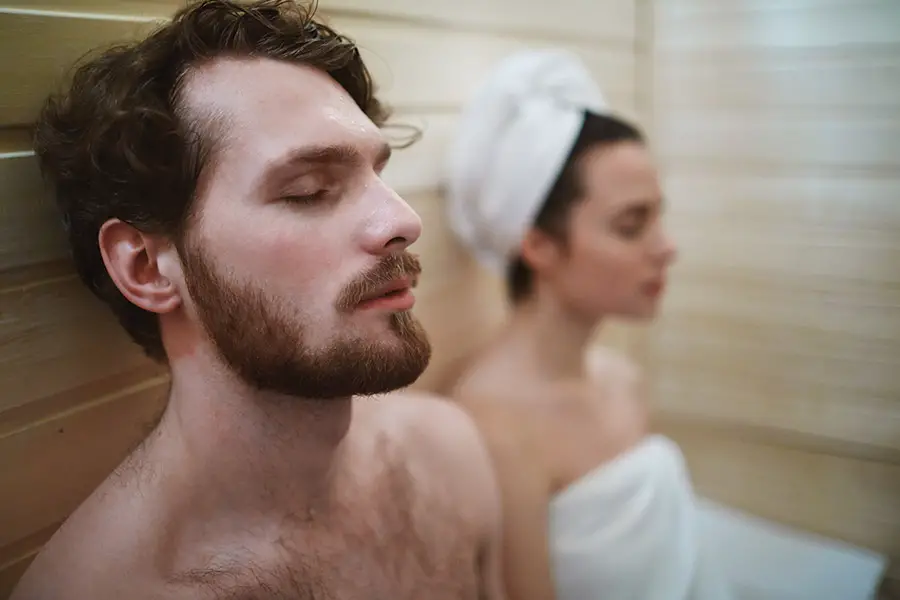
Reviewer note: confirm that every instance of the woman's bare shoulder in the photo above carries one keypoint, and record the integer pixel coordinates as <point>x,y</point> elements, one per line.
<point>606,365</point>
<point>617,386</point>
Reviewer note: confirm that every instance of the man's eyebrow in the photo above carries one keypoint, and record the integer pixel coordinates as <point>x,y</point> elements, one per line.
<point>333,154</point>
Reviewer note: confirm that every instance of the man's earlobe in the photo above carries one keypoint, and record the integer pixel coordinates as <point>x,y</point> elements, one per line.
<point>132,259</point>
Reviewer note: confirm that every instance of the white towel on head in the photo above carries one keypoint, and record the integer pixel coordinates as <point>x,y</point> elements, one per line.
<point>513,140</point>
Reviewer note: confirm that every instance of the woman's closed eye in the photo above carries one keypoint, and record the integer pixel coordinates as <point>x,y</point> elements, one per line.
<point>632,223</point>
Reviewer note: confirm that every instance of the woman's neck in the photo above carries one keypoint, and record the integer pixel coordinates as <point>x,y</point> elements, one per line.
<point>553,337</point>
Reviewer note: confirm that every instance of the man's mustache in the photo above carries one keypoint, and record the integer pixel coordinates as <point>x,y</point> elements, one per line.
<point>390,268</point>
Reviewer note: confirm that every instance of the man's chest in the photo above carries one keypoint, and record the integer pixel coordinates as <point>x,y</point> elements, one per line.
<point>406,545</point>
<point>392,567</point>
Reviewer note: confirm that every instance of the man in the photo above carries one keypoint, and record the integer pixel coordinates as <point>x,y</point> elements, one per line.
<point>220,185</point>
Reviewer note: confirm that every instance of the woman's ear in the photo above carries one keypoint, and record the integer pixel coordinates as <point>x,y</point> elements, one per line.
<point>540,250</point>
<point>133,260</point>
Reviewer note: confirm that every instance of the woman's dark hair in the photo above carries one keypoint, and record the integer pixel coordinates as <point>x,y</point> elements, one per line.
<point>596,131</point>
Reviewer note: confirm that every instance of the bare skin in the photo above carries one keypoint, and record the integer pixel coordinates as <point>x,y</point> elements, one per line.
<point>254,486</point>
<point>400,504</point>
<point>543,434</point>
<point>551,406</point>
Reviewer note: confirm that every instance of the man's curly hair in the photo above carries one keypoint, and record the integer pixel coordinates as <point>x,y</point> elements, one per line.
<point>118,144</point>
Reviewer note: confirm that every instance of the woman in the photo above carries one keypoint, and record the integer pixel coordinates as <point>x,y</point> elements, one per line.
<point>549,189</point>
<point>565,198</point>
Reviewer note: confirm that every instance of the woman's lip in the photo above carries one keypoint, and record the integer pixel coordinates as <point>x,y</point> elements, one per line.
<point>655,288</point>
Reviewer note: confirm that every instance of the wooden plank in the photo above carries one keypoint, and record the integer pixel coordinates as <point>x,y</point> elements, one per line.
<point>775,359</point>
<point>419,67</point>
<point>414,66</point>
<point>48,64</point>
<point>792,320</point>
<point>460,313</point>
<point>596,20</point>
<point>645,66</point>
<point>56,463</point>
<point>843,498</point>
<point>777,375</point>
<point>14,142</point>
<point>31,230</point>
<point>686,9</point>
<point>851,205</point>
<point>419,168</point>
<point>785,139</point>
<point>813,256</point>
<point>56,337</point>
<point>748,24</point>
<point>775,435</point>
<point>440,252</point>
<point>815,80</point>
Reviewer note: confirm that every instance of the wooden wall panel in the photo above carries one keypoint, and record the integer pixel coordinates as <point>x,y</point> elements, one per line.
<point>454,63</point>
<point>708,25</point>
<point>804,81</point>
<point>836,496</point>
<point>600,22</point>
<point>55,327</point>
<point>69,376</point>
<point>778,140</point>
<point>777,356</point>
<point>77,449</point>
<point>30,228</point>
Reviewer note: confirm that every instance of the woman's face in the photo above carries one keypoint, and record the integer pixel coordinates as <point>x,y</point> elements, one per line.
<point>616,255</point>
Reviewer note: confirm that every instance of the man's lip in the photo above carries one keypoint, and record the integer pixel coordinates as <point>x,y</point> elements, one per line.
<point>403,283</point>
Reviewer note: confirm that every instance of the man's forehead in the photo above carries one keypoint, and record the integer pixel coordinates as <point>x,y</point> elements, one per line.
<point>269,97</point>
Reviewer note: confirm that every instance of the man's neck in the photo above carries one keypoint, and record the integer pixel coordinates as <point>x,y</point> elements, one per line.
<point>235,441</point>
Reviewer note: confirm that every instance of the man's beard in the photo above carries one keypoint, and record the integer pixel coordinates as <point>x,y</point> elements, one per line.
<point>257,339</point>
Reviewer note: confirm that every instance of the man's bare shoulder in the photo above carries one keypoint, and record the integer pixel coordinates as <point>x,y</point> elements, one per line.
<point>440,437</point>
<point>431,424</point>
<point>96,548</point>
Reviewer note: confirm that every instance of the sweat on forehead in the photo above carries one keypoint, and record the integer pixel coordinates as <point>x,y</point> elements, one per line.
<point>273,103</point>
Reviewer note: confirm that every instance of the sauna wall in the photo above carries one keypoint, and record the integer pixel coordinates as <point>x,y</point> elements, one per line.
<point>776,363</point>
<point>75,393</point>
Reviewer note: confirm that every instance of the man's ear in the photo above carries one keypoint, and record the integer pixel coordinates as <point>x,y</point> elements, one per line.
<point>139,265</point>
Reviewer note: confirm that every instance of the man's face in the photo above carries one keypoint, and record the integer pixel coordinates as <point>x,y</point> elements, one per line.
<point>295,233</point>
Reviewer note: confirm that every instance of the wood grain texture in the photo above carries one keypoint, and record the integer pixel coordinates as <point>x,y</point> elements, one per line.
<point>603,21</point>
<point>774,24</point>
<point>778,124</point>
<point>55,328</point>
<point>414,66</point>
<point>31,230</point>
<point>859,80</point>
<point>843,498</point>
<point>784,140</point>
